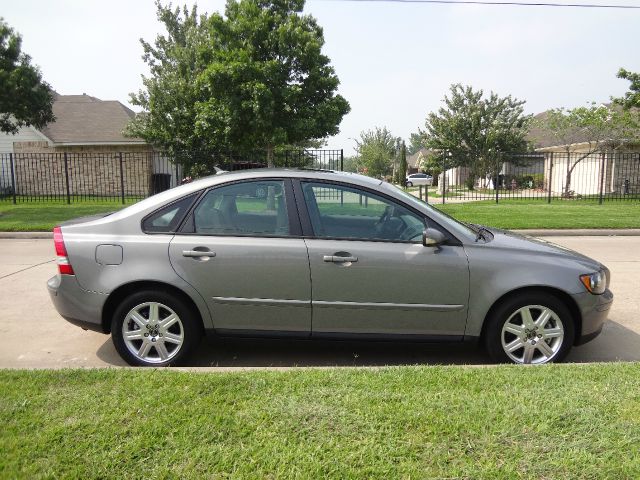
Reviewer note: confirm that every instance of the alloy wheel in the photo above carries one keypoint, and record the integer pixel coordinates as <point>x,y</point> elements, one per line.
<point>532,334</point>
<point>153,332</point>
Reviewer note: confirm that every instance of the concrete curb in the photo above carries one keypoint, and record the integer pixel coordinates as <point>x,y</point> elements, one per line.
<point>582,232</point>
<point>26,235</point>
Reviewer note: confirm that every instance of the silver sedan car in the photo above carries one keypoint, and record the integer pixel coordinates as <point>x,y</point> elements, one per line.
<point>317,255</point>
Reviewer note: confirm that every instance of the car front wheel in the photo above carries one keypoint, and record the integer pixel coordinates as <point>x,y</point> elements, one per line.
<point>409,184</point>
<point>155,329</point>
<point>533,328</point>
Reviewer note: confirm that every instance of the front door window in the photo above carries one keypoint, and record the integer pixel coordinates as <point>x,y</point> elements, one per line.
<point>338,211</point>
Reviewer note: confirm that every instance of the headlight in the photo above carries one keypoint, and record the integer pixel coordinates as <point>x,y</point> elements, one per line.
<point>596,283</point>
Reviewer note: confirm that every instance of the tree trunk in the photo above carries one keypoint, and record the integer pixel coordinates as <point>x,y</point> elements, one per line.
<point>270,155</point>
<point>570,168</point>
<point>567,183</point>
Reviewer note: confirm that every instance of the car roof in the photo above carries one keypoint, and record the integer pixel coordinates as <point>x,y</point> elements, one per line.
<point>257,173</point>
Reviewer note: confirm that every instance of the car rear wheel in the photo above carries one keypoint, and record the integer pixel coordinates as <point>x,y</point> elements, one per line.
<point>154,329</point>
<point>533,328</point>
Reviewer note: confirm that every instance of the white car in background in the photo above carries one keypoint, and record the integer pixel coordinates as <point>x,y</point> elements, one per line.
<point>418,179</point>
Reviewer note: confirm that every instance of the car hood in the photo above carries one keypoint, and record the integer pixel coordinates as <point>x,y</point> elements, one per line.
<point>506,239</point>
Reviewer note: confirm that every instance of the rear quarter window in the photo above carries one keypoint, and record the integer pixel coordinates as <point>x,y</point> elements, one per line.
<point>168,218</point>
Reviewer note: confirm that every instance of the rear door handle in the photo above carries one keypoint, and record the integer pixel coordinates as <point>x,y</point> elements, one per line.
<point>339,259</point>
<point>198,253</point>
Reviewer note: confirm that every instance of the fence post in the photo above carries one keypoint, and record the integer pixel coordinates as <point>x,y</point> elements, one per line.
<point>342,160</point>
<point>550,176</point>
<point>602,167</point>
<point>66,177</point>
<point>121,177</point>
<point>420,194</point>
<point>13,178</point>
<point>444,177</point>
<point>497,179</point>
<point>178,179</point>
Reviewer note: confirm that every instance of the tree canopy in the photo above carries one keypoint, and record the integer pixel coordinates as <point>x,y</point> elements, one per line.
<point>170,95</point>
<point>474,129</point>
<point>254,78</point>
<point>416,142</point>
<point>25,99</point>
<point>376,151</point>
<point>597,128</point>
<point>632,97</point>
<point>402,169</point>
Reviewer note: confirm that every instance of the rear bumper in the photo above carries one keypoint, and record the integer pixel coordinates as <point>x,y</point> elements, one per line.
<point>594,310</point>
<point>77,306</point>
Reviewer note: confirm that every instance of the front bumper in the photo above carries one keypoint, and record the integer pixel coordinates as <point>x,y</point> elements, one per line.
<point>76,305</point>
<point>594,310</point>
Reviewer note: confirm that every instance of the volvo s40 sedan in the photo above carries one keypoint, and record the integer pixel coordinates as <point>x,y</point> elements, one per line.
<point>318,254</point>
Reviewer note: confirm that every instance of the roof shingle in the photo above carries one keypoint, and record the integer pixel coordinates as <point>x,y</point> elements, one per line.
<point>87,119</point>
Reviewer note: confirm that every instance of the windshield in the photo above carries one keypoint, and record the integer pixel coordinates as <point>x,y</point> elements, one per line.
<point>445,220</point>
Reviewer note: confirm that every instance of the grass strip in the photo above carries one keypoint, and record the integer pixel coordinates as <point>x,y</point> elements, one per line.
<point>42,217</point>
<point>556,421</point>
<point>510,214</point>
<point>560,214</point>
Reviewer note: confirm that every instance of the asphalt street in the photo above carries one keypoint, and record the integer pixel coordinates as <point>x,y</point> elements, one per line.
<point>35,336</point>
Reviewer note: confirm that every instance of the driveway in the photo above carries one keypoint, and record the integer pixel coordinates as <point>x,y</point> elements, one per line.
<point>34,336</point>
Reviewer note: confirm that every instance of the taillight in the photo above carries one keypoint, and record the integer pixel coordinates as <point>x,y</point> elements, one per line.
<point>64,267</point>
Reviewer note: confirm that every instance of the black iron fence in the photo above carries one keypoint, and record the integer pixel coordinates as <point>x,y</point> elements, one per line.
<point>600,176</point>
<point>129,176</point>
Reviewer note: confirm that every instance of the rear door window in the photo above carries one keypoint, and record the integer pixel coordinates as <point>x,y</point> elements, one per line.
<point>256,208</point>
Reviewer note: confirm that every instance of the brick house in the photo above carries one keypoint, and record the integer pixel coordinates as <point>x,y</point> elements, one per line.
<point>89,131</point>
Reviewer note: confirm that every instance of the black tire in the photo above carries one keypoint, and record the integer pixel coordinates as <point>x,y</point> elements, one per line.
<point>494,328</point>
<point>409,184</point>
<point>188,327</point>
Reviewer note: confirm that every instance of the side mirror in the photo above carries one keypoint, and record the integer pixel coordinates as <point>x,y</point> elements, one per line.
<point>432,237</point>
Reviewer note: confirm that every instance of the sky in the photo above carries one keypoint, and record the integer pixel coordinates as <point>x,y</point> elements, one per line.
<point>395,61</point>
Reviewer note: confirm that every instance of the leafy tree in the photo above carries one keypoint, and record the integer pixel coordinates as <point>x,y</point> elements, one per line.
<point>25,99</point>
<point>170,95</point>
<point>416,142</point>
<point>253,78</point>
<point>402,174</point>
<point>376,150</point>
<point>431,163</point>
<point>595,127</point>
<point>475,129</point>
<point>350,164</point>
<point>632,97</point>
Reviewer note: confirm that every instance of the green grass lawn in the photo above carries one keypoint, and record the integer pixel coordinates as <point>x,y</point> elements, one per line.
<point>557,421</point>
<point>523,214</point>
<point>40,217</point>
<point>512,214</point>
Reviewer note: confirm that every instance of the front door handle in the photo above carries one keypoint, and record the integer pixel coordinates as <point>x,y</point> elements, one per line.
<point>198,253</point>
<point>339,259</point>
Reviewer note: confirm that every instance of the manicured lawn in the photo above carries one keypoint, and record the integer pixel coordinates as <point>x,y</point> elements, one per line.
<point>513,214</point>
<point>522,214</point>
<point>40,217</point>
<point>558,421</point>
